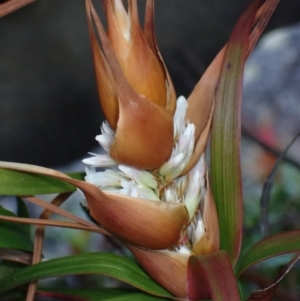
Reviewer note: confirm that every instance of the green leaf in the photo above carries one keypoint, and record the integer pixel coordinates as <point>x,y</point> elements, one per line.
<point>111,265</point>
<point>14,182</point>
<point>286,242</point>
<point>13,235</point>
<point>22,211</point>
<point>9,238</point>
<point>212,276</point>
<point>226,127</point>
<point>7,268</point>
<point>226,132</point>
<point>76,175</point>
<point>107,294</point>
<point>16,226</point>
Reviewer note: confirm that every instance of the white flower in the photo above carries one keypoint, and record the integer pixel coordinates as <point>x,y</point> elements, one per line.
<point>165,184</point>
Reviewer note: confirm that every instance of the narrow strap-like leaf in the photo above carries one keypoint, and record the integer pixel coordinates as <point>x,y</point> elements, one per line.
<point>226,128</point>
<point>225,143</point>
<point>15,255</point>
<point>212,276</point>
<point>286,242</point>
<point>14,236</point>
<point>14,182</point>
<point>22,211</point>
<point>9,238</point>
<point>111,265</point>
<point>39,240</point>
<point>56,209</point>
<point>262,17</point>
<point>53,223</point>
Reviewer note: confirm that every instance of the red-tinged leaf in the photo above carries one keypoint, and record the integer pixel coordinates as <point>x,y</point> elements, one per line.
<point>7,7</point>
<point>268,293</point>
<point>225,149</point>
<point>202,98</point>
<point>261,19</point>
<point>226,132</point>
<point>15,255</point>
<point>211,276</point>
<point>286,242</point>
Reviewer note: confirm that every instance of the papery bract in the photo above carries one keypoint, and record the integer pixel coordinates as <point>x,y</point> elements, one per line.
<point>166,267</point>
<point>133,84</point>
<point>139,63</point>
<point>169,268</point>
<point>148,224</point>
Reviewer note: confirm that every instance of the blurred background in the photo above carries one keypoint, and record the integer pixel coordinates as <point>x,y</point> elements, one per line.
<point>50,113</point>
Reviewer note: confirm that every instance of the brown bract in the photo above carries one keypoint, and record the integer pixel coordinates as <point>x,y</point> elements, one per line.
<point>149,224</point>
<point>137,60</point>
<point>136,93</point>
<point>201,107</point>
<point>166,267</point>
<point>210,241</point>
<point>169,268</point>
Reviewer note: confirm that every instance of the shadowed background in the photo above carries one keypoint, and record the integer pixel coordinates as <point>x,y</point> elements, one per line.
<point>49,110</point>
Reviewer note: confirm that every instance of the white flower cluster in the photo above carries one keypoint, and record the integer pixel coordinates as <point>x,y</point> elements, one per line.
<point>164,184</point>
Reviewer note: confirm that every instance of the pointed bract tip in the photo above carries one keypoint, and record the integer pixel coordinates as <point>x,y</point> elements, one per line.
<point>168,268</point>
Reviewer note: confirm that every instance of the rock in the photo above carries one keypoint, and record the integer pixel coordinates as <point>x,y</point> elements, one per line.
<point>271,107</point>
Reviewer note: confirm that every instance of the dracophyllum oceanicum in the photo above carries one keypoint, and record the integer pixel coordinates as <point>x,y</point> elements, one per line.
<point>155,179</point>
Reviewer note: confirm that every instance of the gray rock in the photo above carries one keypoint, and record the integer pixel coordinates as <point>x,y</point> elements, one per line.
<point>271,108</point>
